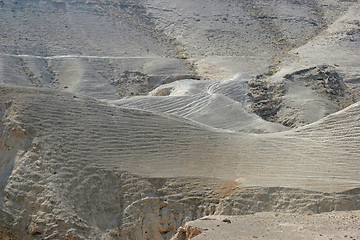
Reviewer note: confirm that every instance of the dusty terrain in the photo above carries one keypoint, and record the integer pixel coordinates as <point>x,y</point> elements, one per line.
<point>128,119</point>
<point>335,225</point>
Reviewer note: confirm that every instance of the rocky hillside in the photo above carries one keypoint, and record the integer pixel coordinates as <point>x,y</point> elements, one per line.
<point>127,119</point>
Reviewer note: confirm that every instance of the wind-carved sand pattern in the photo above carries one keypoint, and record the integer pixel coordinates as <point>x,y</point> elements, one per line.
<point>159,119</point>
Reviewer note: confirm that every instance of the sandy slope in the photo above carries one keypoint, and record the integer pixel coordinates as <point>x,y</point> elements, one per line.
<point>221,105</point>
<point>49,138</point>
<point>317,157</point>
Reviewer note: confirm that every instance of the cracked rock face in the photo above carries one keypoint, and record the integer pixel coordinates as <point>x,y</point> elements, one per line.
<point>266,98</point>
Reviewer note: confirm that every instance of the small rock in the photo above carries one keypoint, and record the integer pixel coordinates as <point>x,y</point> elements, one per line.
<point>227,220</point>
